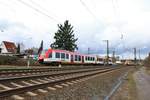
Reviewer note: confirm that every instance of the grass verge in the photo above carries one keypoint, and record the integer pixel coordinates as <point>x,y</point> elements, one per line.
<point>147,69</point>
<point>132,87</point>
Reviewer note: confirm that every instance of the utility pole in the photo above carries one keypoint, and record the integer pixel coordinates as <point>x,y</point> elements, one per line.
<point>107,57</point>
<point>139,56</point>
<point>135,55</point>
<point>113,57</point>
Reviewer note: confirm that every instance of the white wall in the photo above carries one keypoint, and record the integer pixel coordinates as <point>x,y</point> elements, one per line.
<point>4,50</point>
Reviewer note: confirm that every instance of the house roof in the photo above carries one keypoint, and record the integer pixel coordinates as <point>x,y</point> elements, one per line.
<point>10,46</point>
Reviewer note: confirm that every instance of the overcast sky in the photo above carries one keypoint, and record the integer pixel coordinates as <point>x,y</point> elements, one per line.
<point>125,23</point>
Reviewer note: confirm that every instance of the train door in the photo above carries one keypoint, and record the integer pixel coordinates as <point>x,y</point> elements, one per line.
<point>82,59</point>
<point>71,58</point>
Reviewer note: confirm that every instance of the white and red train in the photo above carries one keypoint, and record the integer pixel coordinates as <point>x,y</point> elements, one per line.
<point>54,56</point>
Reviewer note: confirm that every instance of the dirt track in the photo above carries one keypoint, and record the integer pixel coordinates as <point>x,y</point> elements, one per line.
<point>142,80</point>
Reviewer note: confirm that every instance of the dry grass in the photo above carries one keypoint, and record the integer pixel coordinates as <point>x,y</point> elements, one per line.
<point>132,87</point>
<point>147,69</point>
<point>127,90</point>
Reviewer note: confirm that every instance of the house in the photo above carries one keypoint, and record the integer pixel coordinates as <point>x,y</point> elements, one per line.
<point>7,47</point>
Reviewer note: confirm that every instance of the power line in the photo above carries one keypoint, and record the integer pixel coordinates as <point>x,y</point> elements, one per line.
<point>87,8</point>
<point>37,10</point>
<point>39,6</point>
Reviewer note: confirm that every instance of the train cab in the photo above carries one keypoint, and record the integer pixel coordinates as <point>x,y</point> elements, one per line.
<point>57,56</point>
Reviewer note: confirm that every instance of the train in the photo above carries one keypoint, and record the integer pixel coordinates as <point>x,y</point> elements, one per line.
<point>56,56</point>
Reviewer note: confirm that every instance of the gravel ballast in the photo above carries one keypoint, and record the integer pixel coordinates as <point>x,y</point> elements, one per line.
<point>96,88</point>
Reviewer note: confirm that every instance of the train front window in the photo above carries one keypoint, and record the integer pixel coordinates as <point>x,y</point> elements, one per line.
<point>57,55</point>
<point>62,55</point>
<point>50,55</point>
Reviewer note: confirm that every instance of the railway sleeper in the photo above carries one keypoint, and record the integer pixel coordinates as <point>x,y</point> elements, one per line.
<point>58,86</point>
<point>42,91</point>
<point>32,94</point>
<point>17,97</point>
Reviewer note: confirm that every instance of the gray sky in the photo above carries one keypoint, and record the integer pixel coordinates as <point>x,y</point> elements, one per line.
<point>125,23</point>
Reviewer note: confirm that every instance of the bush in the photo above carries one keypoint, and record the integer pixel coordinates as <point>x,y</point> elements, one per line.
<point>14,60</point>
<point>147,61</point>
<point>7,60</point>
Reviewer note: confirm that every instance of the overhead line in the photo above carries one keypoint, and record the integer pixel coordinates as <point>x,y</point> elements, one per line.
<point>87,8</point>
<point>37,10</point>
<point>36,4</point>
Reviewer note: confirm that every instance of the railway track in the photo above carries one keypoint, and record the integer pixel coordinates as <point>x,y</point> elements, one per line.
<point>4,73</point>
<point>14,86</point>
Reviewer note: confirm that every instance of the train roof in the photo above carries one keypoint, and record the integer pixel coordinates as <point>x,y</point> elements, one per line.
<point>77,53</point>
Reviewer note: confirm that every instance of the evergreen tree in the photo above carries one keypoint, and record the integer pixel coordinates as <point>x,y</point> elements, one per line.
<point>64,37</point>
<point>18,48</point>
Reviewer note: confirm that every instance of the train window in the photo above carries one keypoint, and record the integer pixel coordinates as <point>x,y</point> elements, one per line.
<point>76,58</point>
<point>93,58</point>
<point>57,55</point>
<point>62,55</point>
<point>79,58</point>
<point>67,56</point>
<point>86,58</point>
<point>50,55</point>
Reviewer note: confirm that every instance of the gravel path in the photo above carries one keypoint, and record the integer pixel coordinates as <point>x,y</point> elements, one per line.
<point>142,80</point>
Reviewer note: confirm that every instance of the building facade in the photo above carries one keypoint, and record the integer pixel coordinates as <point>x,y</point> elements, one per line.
<point>7,47</point>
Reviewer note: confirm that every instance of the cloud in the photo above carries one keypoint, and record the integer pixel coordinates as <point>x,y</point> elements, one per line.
<point>130,18</point>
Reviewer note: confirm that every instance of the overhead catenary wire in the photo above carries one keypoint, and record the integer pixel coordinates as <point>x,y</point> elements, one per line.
<point>38,10</point>
<point>39,6</point>
<point>115,6</point>
<point>88,9</point>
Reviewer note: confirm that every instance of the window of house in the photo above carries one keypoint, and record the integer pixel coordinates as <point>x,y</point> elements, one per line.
<point>57,55</point>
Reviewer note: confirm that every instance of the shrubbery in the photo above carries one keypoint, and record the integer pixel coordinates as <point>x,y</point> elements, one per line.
<point>4,60</point>
<point>14,60</point>
<point>147,61</point>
